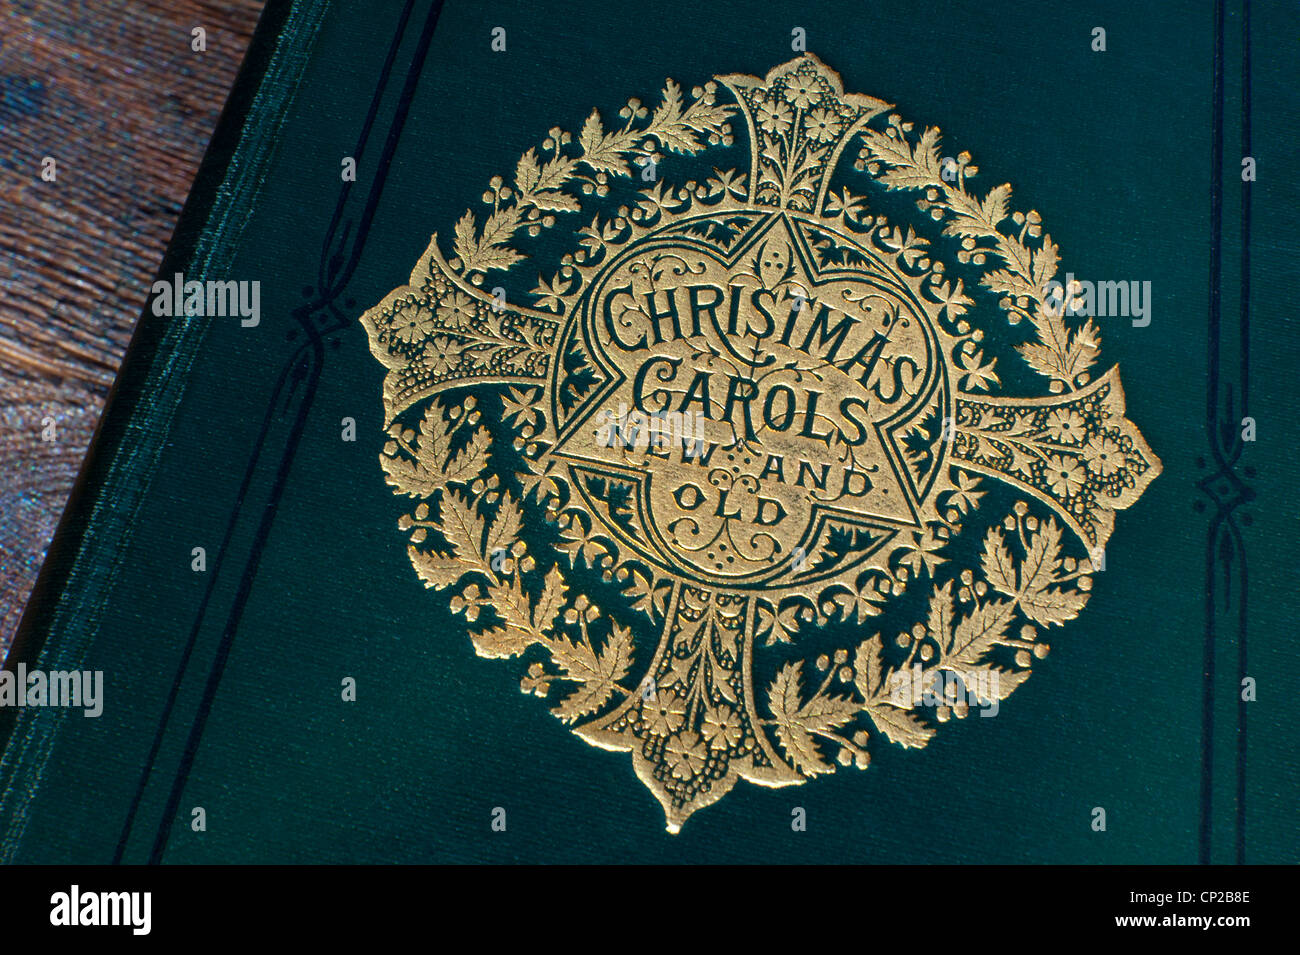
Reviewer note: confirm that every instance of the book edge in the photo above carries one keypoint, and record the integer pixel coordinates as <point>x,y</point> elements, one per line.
<point>133,423</point>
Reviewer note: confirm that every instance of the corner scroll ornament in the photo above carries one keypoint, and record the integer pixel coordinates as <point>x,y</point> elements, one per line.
<point>686,474</point>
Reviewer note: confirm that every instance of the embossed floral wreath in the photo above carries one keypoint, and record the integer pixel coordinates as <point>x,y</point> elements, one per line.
<point>478,465</point>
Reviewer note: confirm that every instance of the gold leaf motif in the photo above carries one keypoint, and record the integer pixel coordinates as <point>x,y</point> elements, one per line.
<point>899,726</point>
<point>436,570</point>
<point>551,603</point>
<point>597,673</point>
<point>798,723</point>
<point>869,668</point>
<point>841,390</point>
<point>463,528</point>
<point>976,634</point>
<point>996,563</point>
<point>505,527</point>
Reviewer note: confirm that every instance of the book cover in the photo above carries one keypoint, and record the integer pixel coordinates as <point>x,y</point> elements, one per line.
<point>573,434</point>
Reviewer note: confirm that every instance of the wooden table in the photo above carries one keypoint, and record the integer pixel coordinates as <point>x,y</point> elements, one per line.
<point>114,93</point>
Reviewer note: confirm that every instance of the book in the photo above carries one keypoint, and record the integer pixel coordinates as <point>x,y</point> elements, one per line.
<point>768,401</point>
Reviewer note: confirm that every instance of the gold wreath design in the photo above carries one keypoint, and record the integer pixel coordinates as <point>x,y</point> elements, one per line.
<point>478,477</point>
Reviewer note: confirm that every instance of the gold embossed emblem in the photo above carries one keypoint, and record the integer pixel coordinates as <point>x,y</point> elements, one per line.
<point>735,476</point>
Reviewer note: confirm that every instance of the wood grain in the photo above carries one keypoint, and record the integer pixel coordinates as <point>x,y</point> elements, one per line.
<point>115,94</point>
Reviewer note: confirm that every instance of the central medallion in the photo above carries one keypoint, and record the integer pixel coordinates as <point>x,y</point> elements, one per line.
<point>757,375</point>
<point>689,473</point>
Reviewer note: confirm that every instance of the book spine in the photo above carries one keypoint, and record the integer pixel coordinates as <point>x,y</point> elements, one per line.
<point>61,617</point>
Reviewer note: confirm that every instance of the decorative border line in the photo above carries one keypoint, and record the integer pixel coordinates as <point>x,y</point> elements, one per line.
<point>1246,150</point>
<point>1224,487</point>
<point>297,383</point>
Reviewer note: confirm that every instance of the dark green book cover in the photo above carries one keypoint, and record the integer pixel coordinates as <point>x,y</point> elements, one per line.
<point>766,394</point>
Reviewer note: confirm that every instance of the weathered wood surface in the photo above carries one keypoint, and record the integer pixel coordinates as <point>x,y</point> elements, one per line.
<point>113,91</point>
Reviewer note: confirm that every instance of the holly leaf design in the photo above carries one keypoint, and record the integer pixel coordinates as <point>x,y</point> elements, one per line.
<point>602,153</point>
<point>1058,354</point>
<point>527,172</point>
<point>1046,260</point>
<point>496,257</point>
<point>551,602</point>
<point>505,528</point>
<point>465,243</point>
<point>1043,557</point>
<point>488,250</point>
<point>994,206</point>
<point>941,614</point>
<point>1043,360</point>
<point>827,711</point>
<point>869,667</point>
<point>906,177</point>
<point>499,643</point>
<point>899,726</point>
<point>430,471</point>
<point>666,123</point>
<point>1054,606</point>
<point>993,683</point>
<point>557,201</point>
<point>797,723</point>
<point>598,673</point>
<point>409,478</point>
<point>1009,283</point>
<point>977,633</point>
<point>462,526</point>
<point>514,608</point>
<point>996,563</point>
<point>437,571</point>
